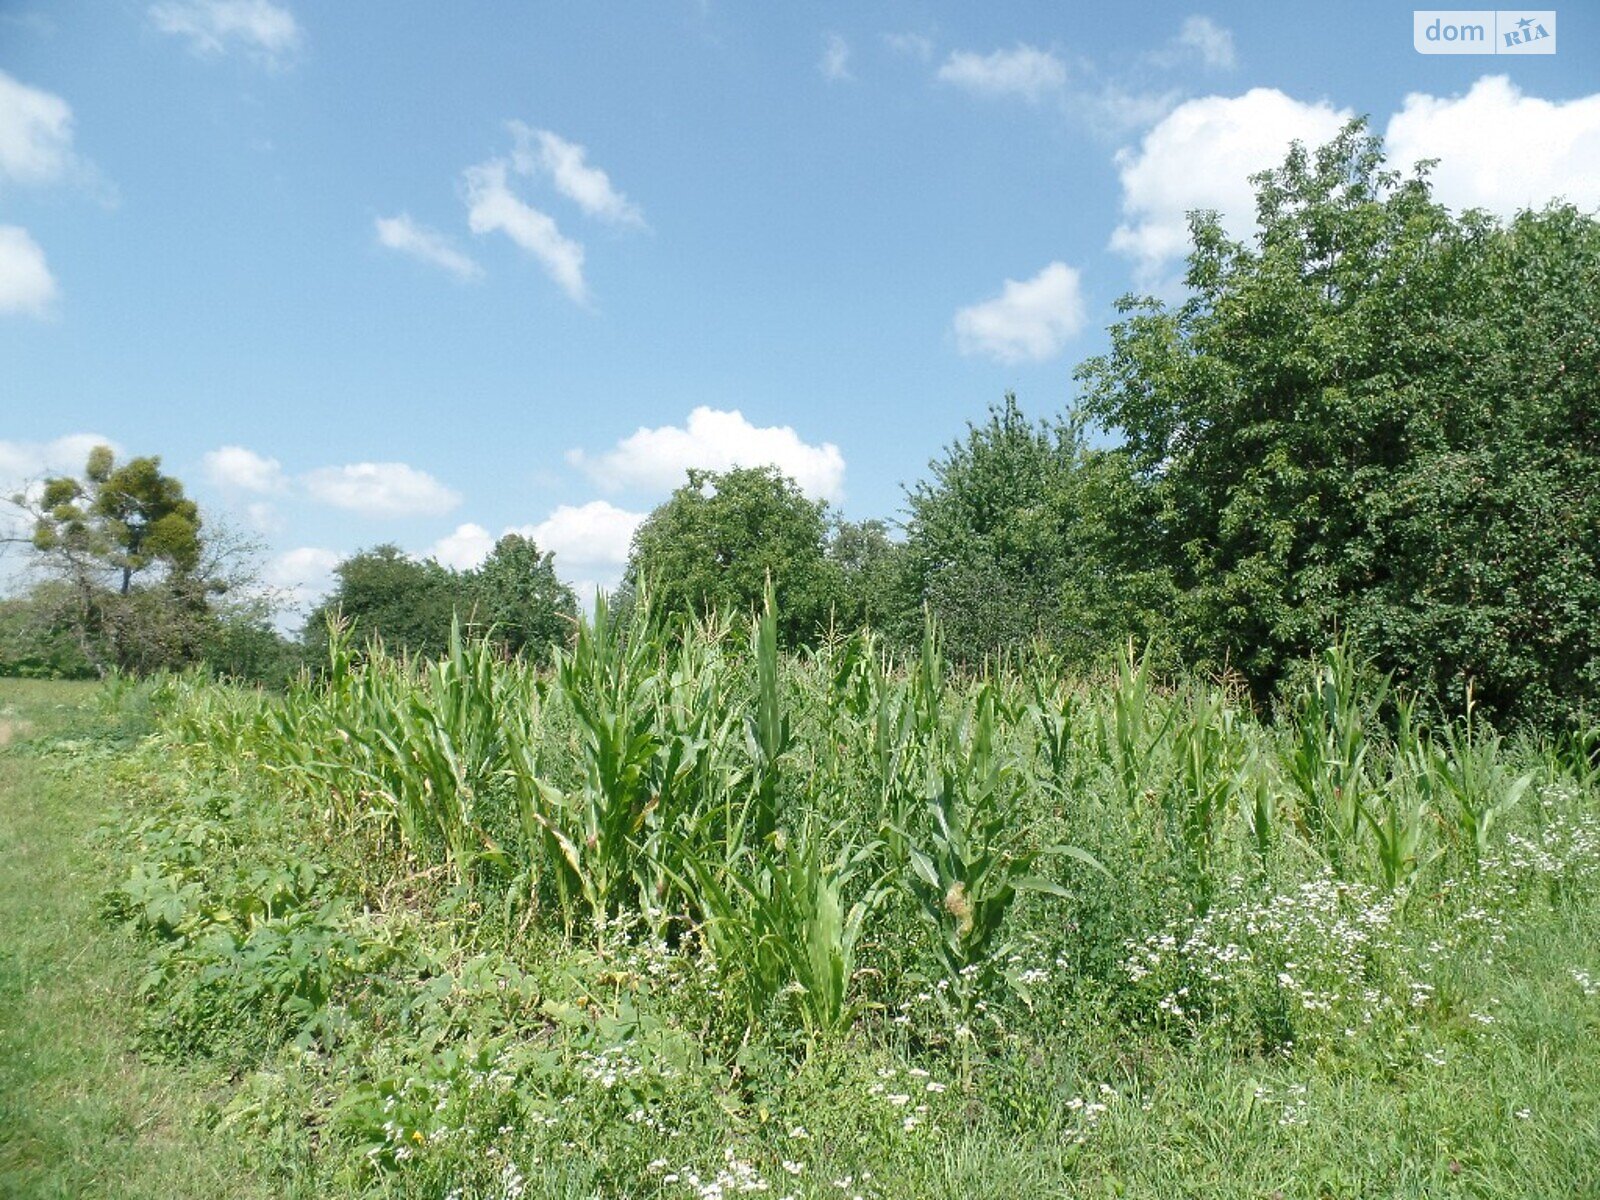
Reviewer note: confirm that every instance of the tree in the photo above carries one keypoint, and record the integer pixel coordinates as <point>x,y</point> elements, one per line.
<point>1005,543</point>
<point>870,588</point>
<point>1379,418</point>
<point>134,576</point>
<point>714,542</point>
<point>410,604</point>
<point>516,594</point>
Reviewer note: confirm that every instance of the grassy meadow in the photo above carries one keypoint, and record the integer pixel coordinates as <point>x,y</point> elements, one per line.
<point>685,916</point>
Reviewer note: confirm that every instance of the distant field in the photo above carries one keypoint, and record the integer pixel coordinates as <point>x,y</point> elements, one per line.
<point>688,917</point>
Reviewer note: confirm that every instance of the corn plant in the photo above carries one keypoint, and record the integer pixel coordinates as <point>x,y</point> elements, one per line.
<point>612,680</point>
<point>1327,759</point>
<point>767,728</point>
<point>961,867</point>
<point>1475,787</point>
<point>1134,738</point>
<point>1400,815</point>
<point>778,923</point>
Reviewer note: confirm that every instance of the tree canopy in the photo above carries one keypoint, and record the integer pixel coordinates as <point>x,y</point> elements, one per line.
<point>714,543</point>
<point>1379,418</point>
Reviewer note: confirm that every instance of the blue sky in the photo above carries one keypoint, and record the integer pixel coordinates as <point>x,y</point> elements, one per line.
<point>424,273</point>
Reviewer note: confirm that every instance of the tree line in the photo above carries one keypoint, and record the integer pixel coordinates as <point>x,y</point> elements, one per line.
<point>1376,419</point>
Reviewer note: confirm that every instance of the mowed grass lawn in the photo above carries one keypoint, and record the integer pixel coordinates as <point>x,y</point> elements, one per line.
<point>81,1113</point>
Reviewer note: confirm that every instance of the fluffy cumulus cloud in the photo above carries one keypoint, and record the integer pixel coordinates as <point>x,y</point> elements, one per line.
<point>1030,320</point>
<point>584,537</point>
<point>493,207</point>
<point>1200,156</point>
<point>1024,71</point>
<point>567,166</point>
<point>463,548</point>
<point>35,134</point>
<point>302,575</point>
<point>236,469</point>
<point>264,30</point>
<point>380,490</point>
<point>1500,149</point>
<point>27,288</point>
<point>835,61</point>
<point>714,439</point>
<point>425,245</point>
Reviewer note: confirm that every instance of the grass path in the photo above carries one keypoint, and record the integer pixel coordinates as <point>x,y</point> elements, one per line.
<point>81,1115</point>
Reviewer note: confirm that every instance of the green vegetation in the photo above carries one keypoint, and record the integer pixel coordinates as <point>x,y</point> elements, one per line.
<point>81,1112</point>
<point>682,910</point>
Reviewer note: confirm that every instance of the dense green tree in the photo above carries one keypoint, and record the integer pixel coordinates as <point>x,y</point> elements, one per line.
<point>1006,543</point>
<point>869,578</point>
<point>714,542</point>
<point>408,603</point>
<point>517,594</point>
<point>1377,417</point>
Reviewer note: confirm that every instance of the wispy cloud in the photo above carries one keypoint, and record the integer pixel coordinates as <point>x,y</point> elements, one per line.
<point>235,468</point>
<point>1023,71</point>
<point>425,245</point>
<point>566,164</point>
<point>492,206</point>
<point>267,32</point>
<point>835,61</point>
<point>1199,38</point>
<point>911,45</point>
<point>388,489</point>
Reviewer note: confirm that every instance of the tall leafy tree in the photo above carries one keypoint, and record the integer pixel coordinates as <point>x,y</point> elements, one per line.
<point>715,541</point>
<point>410,604</point>
<point>1005,542</point>
<point>1377,417</point>
<point>517,595</point>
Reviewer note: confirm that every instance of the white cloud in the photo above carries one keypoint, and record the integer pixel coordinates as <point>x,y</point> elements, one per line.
<point>464,548</point>
<point>265,30</point>
<point>1030,320</point>
<point>1211,42</point>
<point>238,469</point>
<point>381,489</point>
<point>24,462</point>
<point>566,164</point>
<point>24,465</point>
<point>586,536</point>
<point>835,61</point>
<point>656,459</point>
<point>491,206</point>
<point>426,245</point>
<point>264,518</point>
<point>1200,156</point>
<point>35,134</point>
<point>1500,149</point>
<point>301,576</point>
<point>912,45</point>
<point>1022,71</point>
<point>26,286</point>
